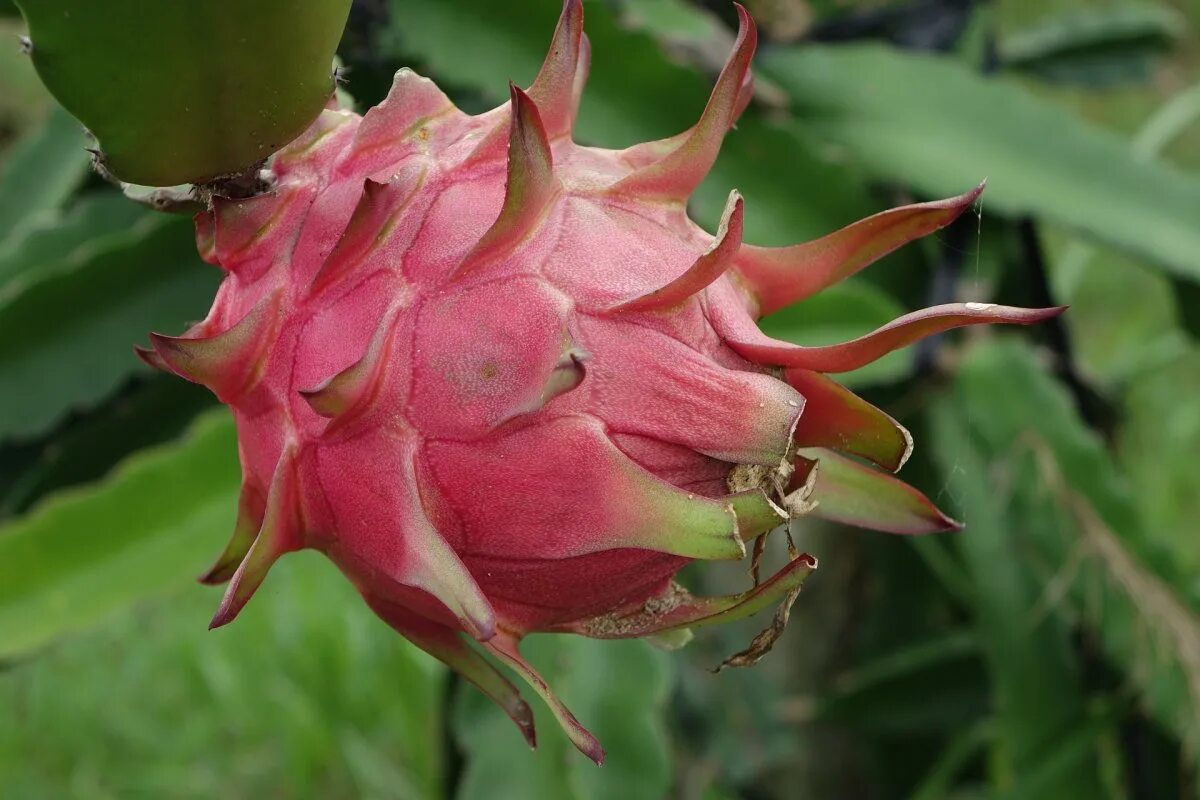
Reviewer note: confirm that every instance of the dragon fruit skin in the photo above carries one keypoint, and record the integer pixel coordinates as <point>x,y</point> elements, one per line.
<point>506,385</point>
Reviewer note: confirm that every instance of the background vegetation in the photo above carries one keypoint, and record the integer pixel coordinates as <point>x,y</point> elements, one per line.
<point>1052,650</point>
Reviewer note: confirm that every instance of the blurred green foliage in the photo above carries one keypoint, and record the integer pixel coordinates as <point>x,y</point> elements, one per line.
<point>1051,650</point>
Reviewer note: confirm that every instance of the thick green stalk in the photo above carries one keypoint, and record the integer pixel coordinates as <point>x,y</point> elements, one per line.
<point>185,92</point>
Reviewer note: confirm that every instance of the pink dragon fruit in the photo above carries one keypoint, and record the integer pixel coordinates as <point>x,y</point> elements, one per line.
<point>506,385</point>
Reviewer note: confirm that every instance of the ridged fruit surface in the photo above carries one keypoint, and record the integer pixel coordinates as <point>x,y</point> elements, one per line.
<point>506,385</point>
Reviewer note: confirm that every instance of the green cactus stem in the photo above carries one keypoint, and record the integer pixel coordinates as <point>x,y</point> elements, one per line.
<point>187,92</point>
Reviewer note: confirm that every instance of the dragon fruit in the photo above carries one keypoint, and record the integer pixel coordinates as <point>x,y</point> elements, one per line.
<point>506,385</point>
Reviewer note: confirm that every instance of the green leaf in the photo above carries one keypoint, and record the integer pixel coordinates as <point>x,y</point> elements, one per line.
<point>963,747</point>
<point>890,693</point>
<point>97,218</point>
<point>1157,444</point>
<point>307,695</point>
<point>1115,340</point>
<point>148,413</point>
<point>842,312</point>
<point>149,527</point>
<point>40,173</point>
<point>616,688</point>
<point>182,93</point>
<point>67,328</point>
<point>1086,539</point>
<point>1089,44</point>
<point>932,123</point>
<point>675,20</point>
<point>1035,679</point>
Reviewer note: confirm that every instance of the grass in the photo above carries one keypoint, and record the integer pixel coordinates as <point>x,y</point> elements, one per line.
<point>306,694</point>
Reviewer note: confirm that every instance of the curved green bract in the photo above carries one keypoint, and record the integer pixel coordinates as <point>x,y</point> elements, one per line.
<point>184,92</point>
